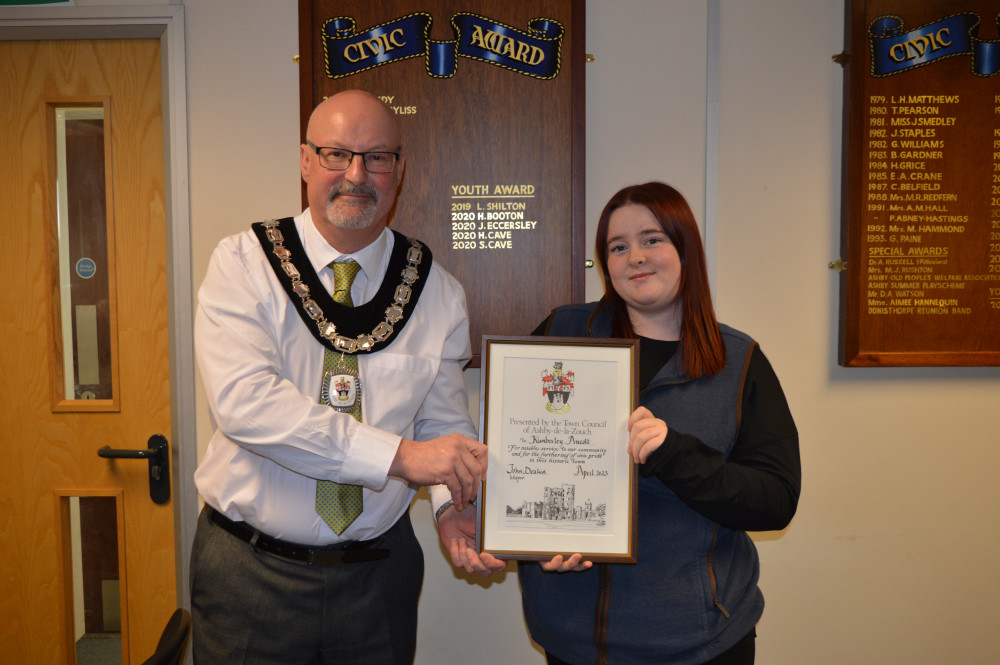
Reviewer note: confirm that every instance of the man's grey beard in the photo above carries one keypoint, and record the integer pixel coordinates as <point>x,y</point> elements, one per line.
<point>356,217</point>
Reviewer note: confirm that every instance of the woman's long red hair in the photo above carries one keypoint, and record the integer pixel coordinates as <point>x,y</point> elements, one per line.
<point>704,351</point>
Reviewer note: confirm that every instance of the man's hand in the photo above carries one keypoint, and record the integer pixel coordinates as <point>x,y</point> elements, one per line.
<point>457,531</point>
<point>453,460</point>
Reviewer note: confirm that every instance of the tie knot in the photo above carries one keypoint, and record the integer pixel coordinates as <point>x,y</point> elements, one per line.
<point>343,276</point>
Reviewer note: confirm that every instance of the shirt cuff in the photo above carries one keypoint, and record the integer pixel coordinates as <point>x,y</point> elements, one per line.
<point>369,457</point>
<point>440,495</point>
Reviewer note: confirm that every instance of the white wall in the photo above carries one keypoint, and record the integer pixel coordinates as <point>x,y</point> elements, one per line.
<point>890,556</point>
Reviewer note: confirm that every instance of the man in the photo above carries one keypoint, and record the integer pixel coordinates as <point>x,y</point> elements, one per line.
<point>328,415</point>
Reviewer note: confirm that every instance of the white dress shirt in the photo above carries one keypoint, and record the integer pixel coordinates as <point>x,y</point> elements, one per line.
<point>262,370</point>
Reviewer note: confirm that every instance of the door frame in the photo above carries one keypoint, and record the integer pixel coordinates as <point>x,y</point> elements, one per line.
<point>166,23</point>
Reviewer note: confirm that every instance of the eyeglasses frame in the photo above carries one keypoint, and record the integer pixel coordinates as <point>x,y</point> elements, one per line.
<point>316,149</point>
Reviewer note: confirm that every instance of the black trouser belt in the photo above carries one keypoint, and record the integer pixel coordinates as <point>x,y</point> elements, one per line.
<point>333,555</point>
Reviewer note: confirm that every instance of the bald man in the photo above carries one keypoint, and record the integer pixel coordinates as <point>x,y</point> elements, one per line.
<point>331,349</point>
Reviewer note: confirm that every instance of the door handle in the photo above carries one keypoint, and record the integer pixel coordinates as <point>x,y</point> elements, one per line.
<point>158,456</point>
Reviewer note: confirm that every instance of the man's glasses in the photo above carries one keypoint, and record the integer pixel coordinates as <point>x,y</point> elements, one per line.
<point>338,159</point>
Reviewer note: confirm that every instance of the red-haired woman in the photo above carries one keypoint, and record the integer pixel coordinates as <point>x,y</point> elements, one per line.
<point>717,451</point>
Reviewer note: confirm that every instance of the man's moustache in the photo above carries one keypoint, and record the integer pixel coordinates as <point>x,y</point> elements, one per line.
<point>354,191</point>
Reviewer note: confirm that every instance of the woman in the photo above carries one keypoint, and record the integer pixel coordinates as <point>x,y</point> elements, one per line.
<point>717,451</point>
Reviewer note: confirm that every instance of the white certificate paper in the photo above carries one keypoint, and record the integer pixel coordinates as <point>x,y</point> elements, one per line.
<point>554,416</point>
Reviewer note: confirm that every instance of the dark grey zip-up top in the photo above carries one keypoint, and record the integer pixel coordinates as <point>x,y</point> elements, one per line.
<point>730,463</point>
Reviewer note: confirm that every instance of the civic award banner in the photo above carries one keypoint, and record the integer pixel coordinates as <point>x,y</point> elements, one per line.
<point>921,184</point>
<point>490,98</point>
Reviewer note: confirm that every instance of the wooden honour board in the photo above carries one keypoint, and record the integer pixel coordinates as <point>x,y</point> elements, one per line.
<point>490,96</point>
<point>921,184</point>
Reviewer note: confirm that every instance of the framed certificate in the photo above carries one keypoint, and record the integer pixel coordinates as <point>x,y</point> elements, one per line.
<point>554,413</point>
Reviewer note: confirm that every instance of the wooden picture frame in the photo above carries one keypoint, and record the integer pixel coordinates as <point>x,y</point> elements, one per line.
<point>554,414</point>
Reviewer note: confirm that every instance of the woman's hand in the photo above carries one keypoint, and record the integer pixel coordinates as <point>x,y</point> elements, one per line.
<point>646,433</point>
<point>558,565</point>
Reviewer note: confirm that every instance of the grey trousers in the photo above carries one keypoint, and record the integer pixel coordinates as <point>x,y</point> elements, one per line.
<point>254,608</point>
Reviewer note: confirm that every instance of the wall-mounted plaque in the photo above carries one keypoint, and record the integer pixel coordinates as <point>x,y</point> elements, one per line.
<point>490,97</point>
<point>921,184</point>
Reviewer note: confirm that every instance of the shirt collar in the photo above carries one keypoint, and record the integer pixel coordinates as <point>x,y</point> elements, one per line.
<point>372,258</point>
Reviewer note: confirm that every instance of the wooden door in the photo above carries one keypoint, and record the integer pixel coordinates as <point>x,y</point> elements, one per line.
<point>51,424</point>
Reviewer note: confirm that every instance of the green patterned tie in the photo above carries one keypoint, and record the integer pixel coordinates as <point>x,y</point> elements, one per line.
<point>337,504</point>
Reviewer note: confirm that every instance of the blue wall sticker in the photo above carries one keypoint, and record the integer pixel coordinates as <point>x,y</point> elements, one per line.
<point>86,268</point>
